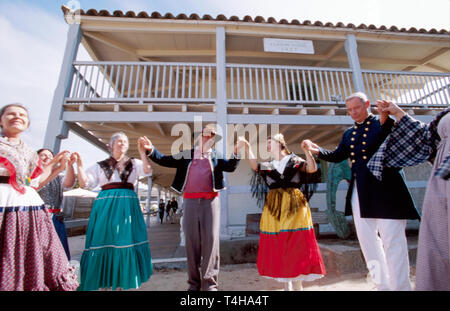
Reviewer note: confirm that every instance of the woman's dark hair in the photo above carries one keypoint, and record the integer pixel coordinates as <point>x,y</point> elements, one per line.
<point>42,149</point>
<point>3,110</point>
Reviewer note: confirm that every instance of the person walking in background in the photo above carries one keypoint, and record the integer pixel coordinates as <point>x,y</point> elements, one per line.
<point>288,251</point>
<point>380,208</point>
<point>413,142</point>
<point>52,192</point>
<point>168,209</point>
<point>32,257</point>
<point>174,207</point>
<point>174,204</point>
<point>161,210</point>
<point>117,252</point>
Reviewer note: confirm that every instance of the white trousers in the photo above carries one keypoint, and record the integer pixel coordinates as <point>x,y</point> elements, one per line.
<point>386,254</point>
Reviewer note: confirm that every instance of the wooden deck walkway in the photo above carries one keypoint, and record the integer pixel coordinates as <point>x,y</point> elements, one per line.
<point>164,241</point>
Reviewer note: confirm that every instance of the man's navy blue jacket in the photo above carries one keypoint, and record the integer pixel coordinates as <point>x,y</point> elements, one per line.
<point>182,162</point>
<point>389,198</point>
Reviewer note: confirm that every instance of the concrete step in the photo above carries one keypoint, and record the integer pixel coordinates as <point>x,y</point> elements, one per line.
<point>340,256</point>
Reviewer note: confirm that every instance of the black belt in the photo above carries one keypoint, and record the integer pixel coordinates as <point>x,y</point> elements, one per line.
<point>4,179</point>
<point>118,185</point>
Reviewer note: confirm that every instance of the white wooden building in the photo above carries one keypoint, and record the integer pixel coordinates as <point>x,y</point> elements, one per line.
<point>151,72</point>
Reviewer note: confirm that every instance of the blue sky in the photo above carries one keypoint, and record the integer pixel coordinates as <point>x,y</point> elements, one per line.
<point>33,36</point>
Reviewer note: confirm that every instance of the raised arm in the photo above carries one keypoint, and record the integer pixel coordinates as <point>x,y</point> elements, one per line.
<point>386,108</point>
<point>230,165</point>
<point>153,154</point>
<point>55,167</point>
<point>311,165</point>
<point>338,155</point>
<point>69,179</point>
<point>145,163</point>
<point>81,174</point>
<point>242,142</point>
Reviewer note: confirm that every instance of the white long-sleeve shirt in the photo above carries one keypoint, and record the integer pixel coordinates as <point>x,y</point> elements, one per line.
<point>96,176</point>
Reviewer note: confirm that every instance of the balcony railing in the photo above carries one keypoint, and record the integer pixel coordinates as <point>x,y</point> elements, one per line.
<point>287,84</point>
<point>147,82</point>
<point>408,88</point>
<point>137,81</point>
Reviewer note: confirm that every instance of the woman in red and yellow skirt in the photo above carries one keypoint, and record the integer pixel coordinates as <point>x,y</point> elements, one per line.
<point>288,251</point>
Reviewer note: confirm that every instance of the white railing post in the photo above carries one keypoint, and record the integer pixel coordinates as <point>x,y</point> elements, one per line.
<point>56,128</point>
<point>149,198</point>
<point>353,60</point>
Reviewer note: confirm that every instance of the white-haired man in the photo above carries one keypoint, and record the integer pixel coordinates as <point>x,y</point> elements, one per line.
<point>380,208</point>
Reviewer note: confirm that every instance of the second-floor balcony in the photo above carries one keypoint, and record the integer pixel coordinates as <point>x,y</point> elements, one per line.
<point>120,86</point>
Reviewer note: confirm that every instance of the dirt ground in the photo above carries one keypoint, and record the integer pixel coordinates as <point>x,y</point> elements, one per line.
<point>245,277</point>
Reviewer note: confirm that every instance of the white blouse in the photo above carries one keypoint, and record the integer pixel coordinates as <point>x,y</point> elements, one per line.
<point>96,176</point>
<point>281,164</point>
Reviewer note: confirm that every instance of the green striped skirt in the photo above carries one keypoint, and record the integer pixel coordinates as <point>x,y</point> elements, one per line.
<point>117,250</point>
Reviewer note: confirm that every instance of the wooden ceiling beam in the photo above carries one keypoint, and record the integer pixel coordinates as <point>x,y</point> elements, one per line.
<point>426,61</point>
<point>331,53</point>
<point>321,59</point>
<point>305,133</point>
<point>111,43</point>
<point>436,67</point>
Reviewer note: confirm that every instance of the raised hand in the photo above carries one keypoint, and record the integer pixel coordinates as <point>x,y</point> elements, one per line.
<point>380,106</point>
<point>308,145</point>
<point>59,155</point>
<point>72,159</point>
<point>64,160</point>
<point>242,142</point>
<point>76,156</point>
<point>81,176</point>
<point>386,108</point>
<point>144,144</point>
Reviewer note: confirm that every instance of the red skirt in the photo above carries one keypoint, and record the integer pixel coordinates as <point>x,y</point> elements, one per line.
<point>288,249</point>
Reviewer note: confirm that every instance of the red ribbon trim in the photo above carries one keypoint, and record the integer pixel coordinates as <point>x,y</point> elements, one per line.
<point>12,172</point>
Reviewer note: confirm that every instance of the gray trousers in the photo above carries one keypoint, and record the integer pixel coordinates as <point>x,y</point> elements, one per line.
<point>201,226</point>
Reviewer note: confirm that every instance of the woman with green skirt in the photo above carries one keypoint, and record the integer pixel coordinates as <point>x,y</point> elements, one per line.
<point>117,251</point>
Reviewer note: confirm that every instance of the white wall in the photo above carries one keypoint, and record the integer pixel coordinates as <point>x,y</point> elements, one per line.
<point>241,203</point>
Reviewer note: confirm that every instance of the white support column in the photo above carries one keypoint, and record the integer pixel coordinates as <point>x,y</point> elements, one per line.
<point>180,209</point>
<point>222,120</point>
<point>56,127</point>
<point>159,194</point>
<point>149,198</point>
<point>351,48</point>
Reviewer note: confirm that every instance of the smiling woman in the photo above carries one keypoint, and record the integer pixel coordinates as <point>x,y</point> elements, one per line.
<point>27,236</point>
<point>14,119</point>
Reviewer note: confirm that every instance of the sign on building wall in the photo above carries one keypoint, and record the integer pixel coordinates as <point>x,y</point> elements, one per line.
<point>288,46</point>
